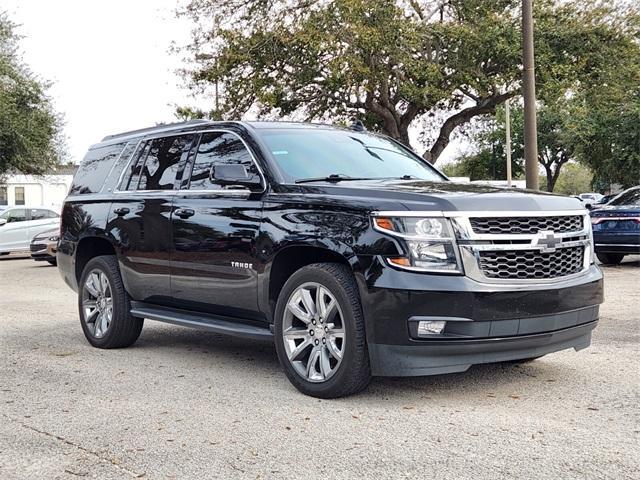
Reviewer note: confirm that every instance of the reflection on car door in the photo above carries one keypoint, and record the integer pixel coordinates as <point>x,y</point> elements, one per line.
<point>139,220</point>
<point>215,229</point>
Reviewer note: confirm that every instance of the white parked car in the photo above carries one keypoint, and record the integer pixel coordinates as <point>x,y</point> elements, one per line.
<point>18,225</point>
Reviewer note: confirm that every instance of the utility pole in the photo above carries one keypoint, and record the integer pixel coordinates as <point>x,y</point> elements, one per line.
<point>507,118</point>
<point>529,94</point>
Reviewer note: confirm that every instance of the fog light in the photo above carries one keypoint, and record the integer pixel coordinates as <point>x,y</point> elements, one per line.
<point>431,327</point>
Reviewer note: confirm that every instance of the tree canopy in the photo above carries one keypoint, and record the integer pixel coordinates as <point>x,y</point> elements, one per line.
<point>392,63</point>
<point>29,128</point>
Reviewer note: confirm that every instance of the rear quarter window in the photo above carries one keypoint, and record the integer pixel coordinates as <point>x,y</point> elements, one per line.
<point>94,169</point>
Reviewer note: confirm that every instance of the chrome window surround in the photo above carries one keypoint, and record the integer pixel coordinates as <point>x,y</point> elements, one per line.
<point>470,244</point>
<point>218,192</point>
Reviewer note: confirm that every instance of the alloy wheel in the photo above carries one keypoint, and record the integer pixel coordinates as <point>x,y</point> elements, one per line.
<point>97,303</point>
<point>314,332</point>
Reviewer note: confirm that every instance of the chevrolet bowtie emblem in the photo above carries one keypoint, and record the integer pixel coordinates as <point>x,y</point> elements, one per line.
<point>546,240</point>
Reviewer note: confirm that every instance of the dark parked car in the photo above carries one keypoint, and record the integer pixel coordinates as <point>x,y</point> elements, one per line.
<point>616,227</point>
<point>43,246</point>
<point>348,251</point>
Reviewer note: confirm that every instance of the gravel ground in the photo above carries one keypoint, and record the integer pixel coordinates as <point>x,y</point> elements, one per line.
<point>187,404</point>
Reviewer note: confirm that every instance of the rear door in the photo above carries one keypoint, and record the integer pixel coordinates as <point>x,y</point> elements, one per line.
<point>215,228</point>
<point>14,235</point>
<point>139,220</point>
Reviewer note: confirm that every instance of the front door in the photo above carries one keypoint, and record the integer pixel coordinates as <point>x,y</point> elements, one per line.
<point>215,228</point>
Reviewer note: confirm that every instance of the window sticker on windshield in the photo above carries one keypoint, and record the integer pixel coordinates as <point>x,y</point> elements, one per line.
<point>280,152</point>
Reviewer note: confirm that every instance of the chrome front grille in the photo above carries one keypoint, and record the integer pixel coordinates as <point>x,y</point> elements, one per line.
<point>525,225</point>
<point>511,248</point>
<point>532,264</point>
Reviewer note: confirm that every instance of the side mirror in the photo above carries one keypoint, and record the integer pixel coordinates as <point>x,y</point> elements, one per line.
<point>234,175</point>
<point>3,221</point>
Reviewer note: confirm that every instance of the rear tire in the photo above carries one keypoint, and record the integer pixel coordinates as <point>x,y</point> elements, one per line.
<point>610,258</point>
<point>326,301</point>
<point>105,306</point>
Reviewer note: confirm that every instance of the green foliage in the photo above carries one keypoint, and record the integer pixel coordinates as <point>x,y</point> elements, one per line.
<point>574,179</point>
<point>29,140</point>
<point>393,63</point>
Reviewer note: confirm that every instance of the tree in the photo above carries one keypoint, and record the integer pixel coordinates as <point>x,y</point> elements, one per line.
<point>29,129</point>
<point>574,179</point>
<point>390,63</point>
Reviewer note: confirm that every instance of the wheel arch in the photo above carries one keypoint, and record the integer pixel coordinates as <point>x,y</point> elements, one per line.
<point>290,259</point>
<point>90,247</point>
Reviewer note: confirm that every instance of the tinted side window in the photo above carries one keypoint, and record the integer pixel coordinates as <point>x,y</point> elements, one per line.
<point>94,169</point>
<point>40,214</point>
<point>166,156</point>
<point>219,148</point>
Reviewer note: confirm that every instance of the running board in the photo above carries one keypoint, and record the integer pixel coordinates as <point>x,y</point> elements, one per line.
<point>211,323</point>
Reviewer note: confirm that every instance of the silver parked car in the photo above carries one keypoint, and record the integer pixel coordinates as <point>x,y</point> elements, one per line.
<point>18,225</point>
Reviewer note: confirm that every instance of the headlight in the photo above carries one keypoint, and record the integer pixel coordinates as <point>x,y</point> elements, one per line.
<point>55,238</point>
<point>429,243</point>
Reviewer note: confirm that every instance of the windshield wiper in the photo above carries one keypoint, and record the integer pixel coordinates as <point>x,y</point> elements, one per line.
<point>334,177</point>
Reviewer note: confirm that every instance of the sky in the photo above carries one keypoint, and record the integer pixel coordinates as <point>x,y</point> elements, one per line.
<point>109,63</point>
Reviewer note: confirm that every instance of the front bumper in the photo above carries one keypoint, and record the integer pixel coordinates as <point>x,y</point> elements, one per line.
<point>485,323</point>
<point>438,357</point>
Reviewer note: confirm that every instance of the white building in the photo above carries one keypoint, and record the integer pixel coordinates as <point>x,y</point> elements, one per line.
<point>48,190</point>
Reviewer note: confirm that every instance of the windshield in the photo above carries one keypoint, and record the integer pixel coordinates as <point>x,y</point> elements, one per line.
<point>630,197</point>
<point>307,154</point>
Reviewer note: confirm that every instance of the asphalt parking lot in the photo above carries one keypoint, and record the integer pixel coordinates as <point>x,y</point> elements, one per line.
<point>186,404</point>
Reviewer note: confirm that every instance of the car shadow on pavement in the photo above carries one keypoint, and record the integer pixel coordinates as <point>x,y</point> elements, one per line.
<point>259,360</point>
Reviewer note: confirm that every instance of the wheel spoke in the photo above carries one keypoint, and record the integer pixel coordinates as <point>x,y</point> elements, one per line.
<point>308,302</point>
<point>324,309</point>
<point>104,322</point>
<point>90,312</point>
<point>294,307</point>
<point>296,333</point>
<point>97,325</point>
<point>325,364</point>
<point>333,349</point>
<point>296,352</point>
<point>90,286</point>
<point>314,357</point>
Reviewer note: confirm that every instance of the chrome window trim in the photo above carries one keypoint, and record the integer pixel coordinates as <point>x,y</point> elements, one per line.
<point>126,167</point>
<point>104,180</point>
<point>263,180</point>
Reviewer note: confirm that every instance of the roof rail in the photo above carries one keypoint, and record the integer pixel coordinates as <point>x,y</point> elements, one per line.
<point>167,126</point>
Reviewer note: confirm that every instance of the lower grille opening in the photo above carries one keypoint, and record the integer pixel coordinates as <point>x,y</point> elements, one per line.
<point>532,264</point>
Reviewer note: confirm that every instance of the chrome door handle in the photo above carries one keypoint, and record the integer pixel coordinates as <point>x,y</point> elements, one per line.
<point>184,212</point>
<point>121,211</point>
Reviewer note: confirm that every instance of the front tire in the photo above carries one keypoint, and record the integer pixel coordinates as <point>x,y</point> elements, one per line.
<point>104,305</point>
<point>319,332</point>
<point>610,258</point>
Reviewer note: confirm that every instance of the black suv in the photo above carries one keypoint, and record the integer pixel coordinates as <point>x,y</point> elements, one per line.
<point>349,251</point>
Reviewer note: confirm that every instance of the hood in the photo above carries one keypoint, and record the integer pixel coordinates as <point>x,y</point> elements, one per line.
<point>443,196</point>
